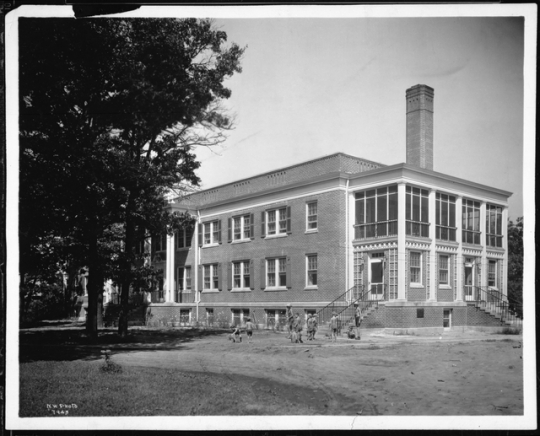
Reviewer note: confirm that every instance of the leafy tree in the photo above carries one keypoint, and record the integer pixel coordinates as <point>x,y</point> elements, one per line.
<point>111,110</point>
<point>515,265</point>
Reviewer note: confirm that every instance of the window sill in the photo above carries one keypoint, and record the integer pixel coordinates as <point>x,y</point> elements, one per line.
<point>276,288</point>
<point>214,244</point>
<point>210,291</point>
<point>447,242</point>
<point>182,248</point>
<point>241,290</point>
<point>312,231</point>
<point>241,241</point>
<point>495,249</point>
<point>445,287</point>
<point>279,235</point>
<point>416,285</point>
<point>311,288</point>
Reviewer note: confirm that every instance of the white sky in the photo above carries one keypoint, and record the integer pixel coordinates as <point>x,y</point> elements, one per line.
<point>315,86</point>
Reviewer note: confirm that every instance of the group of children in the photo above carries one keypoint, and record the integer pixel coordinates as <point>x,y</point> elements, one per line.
<point>296,327</point>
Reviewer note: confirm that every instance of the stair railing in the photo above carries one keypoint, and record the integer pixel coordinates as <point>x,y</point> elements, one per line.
<point>339,304</point>
<point>496,303</point>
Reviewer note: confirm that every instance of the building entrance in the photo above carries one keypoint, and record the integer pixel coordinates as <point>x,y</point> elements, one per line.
<point>376,278</point>
<point>469,280</point>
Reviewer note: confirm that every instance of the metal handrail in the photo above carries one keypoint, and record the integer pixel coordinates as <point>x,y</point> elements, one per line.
<point>495,302</point>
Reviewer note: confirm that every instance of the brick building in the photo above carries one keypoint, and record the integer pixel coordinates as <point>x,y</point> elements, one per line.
<point>412,247</point>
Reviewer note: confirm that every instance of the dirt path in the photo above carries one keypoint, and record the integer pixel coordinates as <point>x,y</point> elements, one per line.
<point>380,375</point>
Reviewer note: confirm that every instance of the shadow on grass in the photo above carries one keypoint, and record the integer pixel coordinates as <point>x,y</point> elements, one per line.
<point>70,342</point>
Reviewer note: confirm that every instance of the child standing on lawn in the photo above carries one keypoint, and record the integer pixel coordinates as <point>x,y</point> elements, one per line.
<point>334,326</point>
<point>249,329</point>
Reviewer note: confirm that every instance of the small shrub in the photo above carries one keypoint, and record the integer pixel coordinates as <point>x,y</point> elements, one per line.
<point>109,366</point>
<point>510,331</point>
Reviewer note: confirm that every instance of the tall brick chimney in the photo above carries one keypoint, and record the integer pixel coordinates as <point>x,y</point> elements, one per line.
<point>420,126</point>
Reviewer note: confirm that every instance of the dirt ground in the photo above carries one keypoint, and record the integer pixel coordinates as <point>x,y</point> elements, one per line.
<point>453,374</point>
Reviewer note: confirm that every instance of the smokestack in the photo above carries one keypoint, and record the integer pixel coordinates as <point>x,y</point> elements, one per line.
<point>420,126</point>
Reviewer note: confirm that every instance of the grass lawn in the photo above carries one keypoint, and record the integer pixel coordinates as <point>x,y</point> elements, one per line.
<point>141,391</point>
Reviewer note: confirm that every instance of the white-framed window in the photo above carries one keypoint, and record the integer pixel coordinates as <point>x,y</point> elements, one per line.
<point>415,267</point>
<point>160,242</point>
<point>276,222</point>
<point>493,225</point>
<point>183,238</point>
<point>311,216</point>
<point>443,270</point>
<point>241,275</point>
<point>276,272</point>
<point>445,217</point>
<point>470,221</point>
<point>239,316</point>
<point>184,279</point>
<point>241,228</point>
<point>416,212</point>
<point>311,264</point>
<point>211,277</point>
<point>185,316</point>
<point>492,274</point>
<point>211,232</point>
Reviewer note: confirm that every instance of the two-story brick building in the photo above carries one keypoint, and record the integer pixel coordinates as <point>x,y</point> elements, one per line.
<point>412,246</point>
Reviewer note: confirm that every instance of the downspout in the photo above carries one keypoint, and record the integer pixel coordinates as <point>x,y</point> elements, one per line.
<point>347,287</point>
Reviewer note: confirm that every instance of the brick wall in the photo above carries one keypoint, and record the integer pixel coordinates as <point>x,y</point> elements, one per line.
<point>406,317</point>
<point>328,243</point>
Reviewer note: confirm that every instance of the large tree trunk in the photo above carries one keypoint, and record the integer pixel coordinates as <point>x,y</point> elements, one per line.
<point>126,269</point>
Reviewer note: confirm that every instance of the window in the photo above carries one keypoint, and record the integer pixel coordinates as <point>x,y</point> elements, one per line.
<point>241,228</point>
<point>415,261</point>
<point>471,221</point>
<point>161,242</point>
<point>184,279</point>
<point>419,313</point>
<point>241,275</point>
<point>493,226</point>
<point>183,238</point>
<point>275,318</point>
<point>312,270</point>
<point>210,233</point>
<point>443,270</point>
<point>239,316</point>
<point>185,315</point>
<point>445,211</point>
<point>416,212</point>
<point>210,316</point>
<point>492,274</point>
<point>311,218</point>
<point>211,277</point>
<point>276,272</point>
<point>276,222</point>
<point>376,213</point>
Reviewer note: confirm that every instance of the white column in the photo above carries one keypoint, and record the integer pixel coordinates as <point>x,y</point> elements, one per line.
<point>504,223</point>
<point>169,269</point>
<point>351,230</point>
<point>433,248</point>
<point>198,262</point>
<point>484,263</point>
<point>401,242</point>
<point>459,258</point>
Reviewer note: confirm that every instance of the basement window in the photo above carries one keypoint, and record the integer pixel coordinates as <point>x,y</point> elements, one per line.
<point>419,313</point>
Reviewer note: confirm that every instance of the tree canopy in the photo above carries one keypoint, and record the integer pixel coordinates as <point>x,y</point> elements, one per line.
<point>110,112</point>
